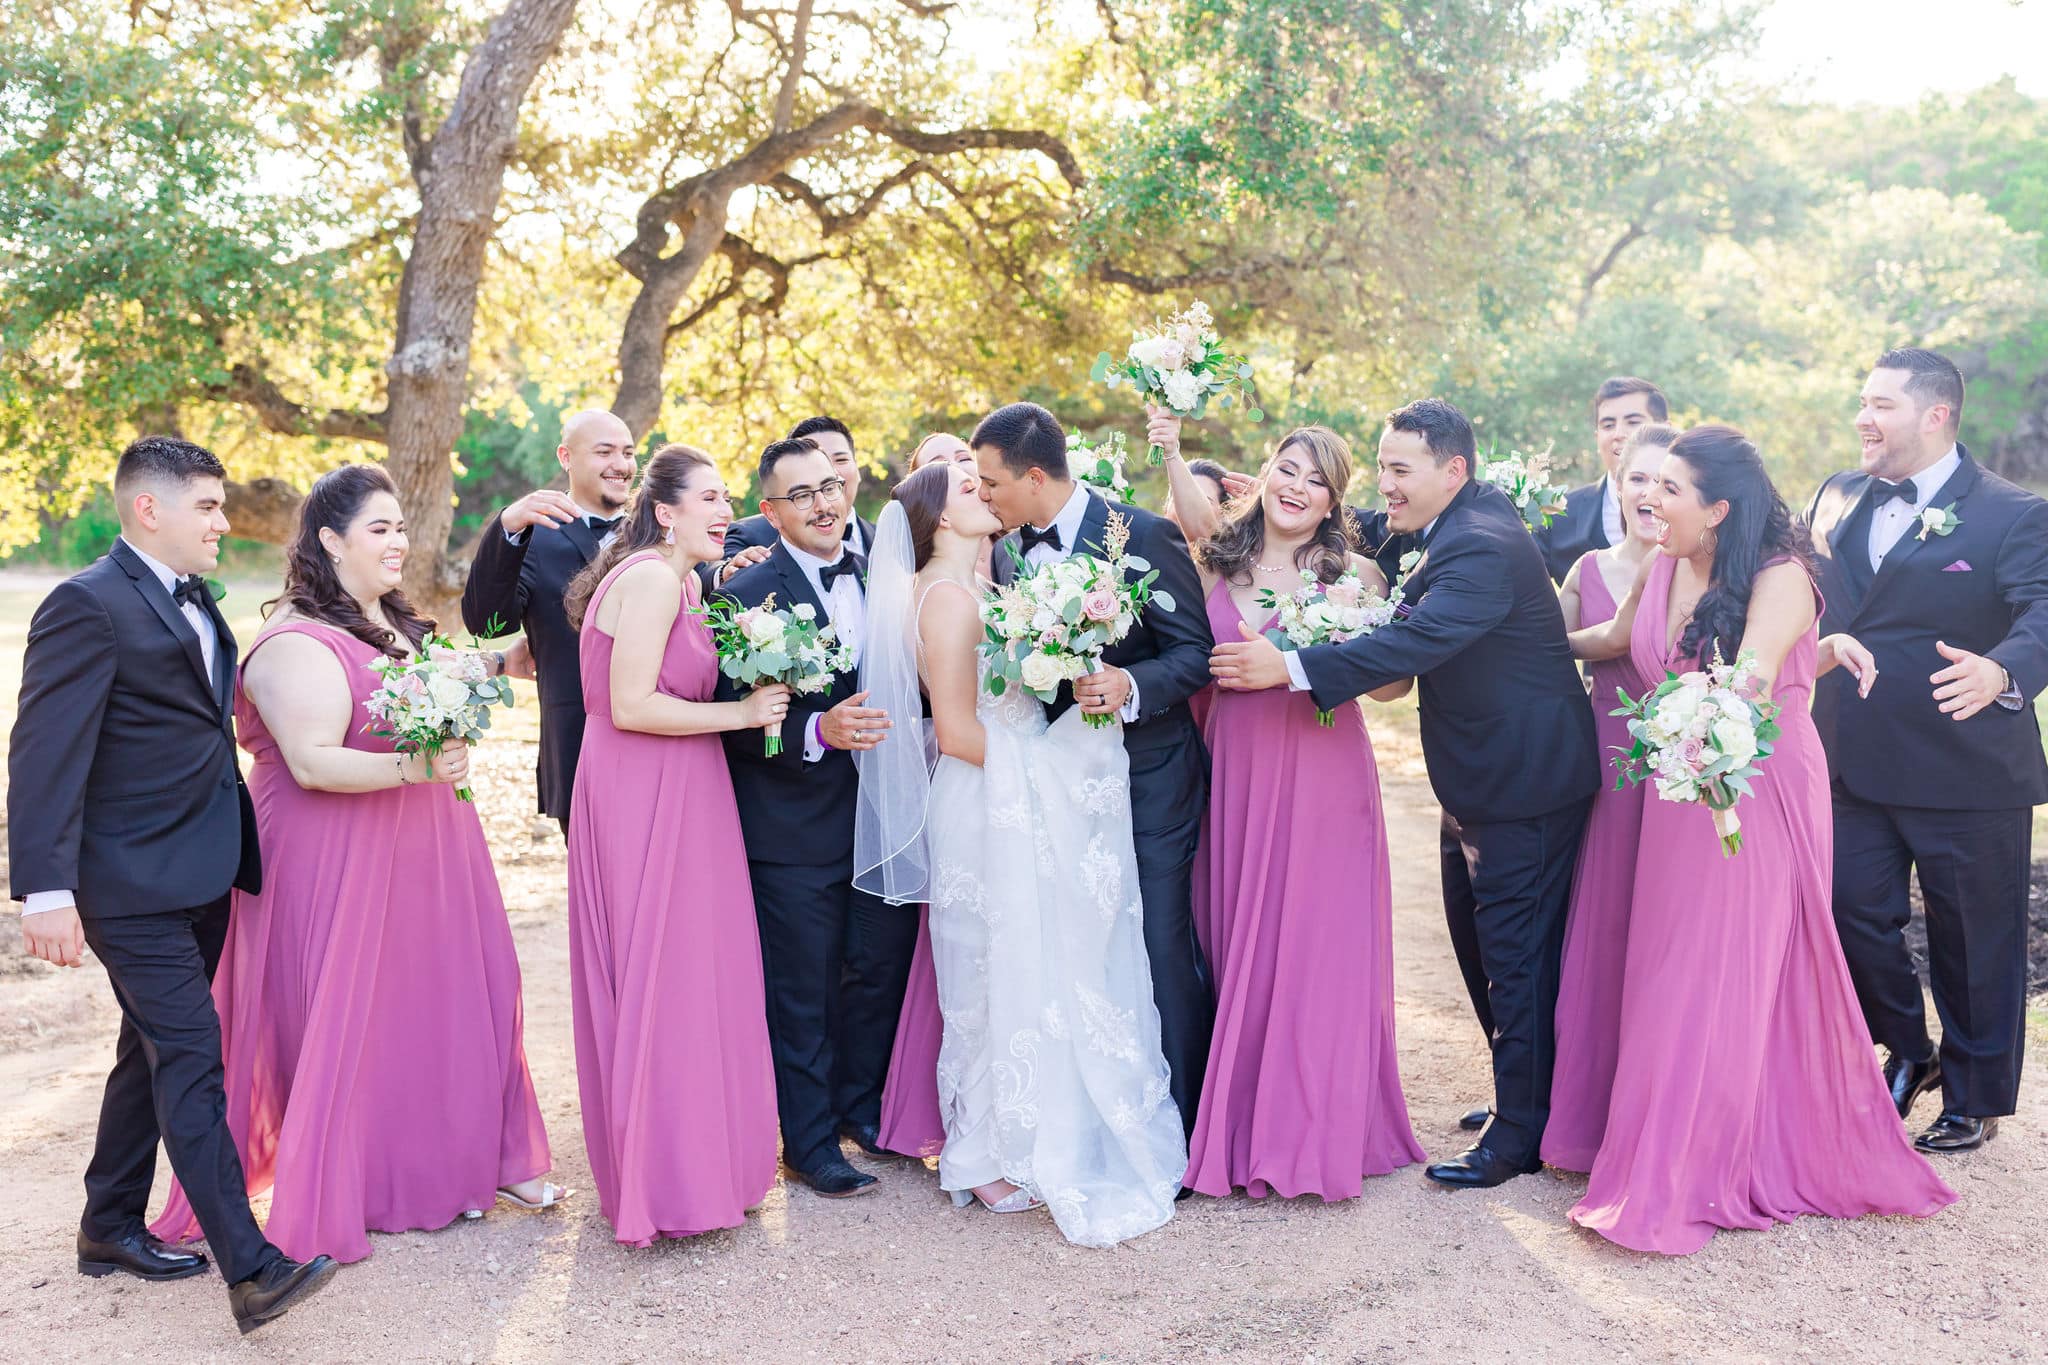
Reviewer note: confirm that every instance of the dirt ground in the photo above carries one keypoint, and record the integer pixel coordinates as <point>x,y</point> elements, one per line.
<point>1408,1272</point>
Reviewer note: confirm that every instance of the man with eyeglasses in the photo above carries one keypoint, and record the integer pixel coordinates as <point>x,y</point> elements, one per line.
<point>834,959</point>
<point>748,540</point>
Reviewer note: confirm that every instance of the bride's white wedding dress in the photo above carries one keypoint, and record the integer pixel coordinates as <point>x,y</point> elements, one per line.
<point>1050,1072</point>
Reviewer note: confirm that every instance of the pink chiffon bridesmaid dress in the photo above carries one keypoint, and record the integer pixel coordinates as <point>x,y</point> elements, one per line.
<point>1746,1089</point>
<point>369,1001</point>
<point>911,1125</point>
<point>665,962</point>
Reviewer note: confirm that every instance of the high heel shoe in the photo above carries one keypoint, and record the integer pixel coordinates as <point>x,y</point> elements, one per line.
<point>1016,1201</point>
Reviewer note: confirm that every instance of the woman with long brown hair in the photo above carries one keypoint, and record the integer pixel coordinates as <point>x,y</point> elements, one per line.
<point>369,996</point>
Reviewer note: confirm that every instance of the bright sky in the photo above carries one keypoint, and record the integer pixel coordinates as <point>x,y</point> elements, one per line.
<point>1895,51</point>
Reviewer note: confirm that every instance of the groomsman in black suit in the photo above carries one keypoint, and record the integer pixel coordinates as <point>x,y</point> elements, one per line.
<point>127,823</point>
<point>1507,733</point>
<point>1148,677</point>
<point>523,565</point>
<point>835,959</point>
<point>1940,568</point>
<point>749,539</point>
<point>1591,519</point>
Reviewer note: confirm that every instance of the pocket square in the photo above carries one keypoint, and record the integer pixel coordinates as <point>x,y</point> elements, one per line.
<point>1960,566</point>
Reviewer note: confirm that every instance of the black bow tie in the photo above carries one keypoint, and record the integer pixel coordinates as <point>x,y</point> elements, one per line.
<point>1904,490</point>
<point>191,590</point>
<point>604,526</point>
<point>850,565</point>
<point>1049,537</point>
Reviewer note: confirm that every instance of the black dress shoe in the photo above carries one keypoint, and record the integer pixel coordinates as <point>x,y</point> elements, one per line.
<point>276,1289</point>
<point>1479,1167</point>
<point>833,1178</point>
<point>868,1138</point>
<point>1472,1120</point>
<point>141,1254</point>
<point>1908,1081</point>
<point>1957,1133</point>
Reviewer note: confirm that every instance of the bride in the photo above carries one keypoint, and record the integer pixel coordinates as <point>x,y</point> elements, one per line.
<point>1051,1082</point>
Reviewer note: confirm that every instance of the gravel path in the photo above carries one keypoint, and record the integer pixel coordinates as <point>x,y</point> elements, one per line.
<point>1407,1272</point>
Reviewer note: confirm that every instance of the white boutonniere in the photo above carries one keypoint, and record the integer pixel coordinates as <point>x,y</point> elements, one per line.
<point>1938,521</point>
<point>1408,563</point>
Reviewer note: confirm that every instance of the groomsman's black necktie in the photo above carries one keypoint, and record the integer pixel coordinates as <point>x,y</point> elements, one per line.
<point>1029,536</point>
<point>191,590</point>
<point>1904,490</point>
<point>849,563</point>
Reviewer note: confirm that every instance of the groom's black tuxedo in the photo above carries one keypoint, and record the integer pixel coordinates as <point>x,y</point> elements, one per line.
<point>1507,734</point>
<point>1167,656</point>
<point>834,959</point>
<point>1913,787</point>
<point>123,788</point>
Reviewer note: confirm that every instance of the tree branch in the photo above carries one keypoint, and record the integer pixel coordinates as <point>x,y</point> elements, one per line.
<point>252,389</point>
<point>793,74</point>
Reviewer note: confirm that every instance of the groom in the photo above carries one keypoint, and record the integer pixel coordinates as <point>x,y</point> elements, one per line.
<point>1507,734</point>
<point>1148,676</point>
<point>127,823</point>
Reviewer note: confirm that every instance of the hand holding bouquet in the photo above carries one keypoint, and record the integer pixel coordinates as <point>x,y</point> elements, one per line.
<point>1100,463</point>
<point>1181,366</point>
<point>1526,479</point>
<point>1317,613</point>
<point>1051,625</point>
<point>442,693</point>
<point>1701,736</point>
<point>764,645</point>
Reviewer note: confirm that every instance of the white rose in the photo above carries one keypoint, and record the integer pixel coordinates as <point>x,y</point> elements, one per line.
<point>1183,390</point>
<point>1151,351</point>
<point>804,611</point>
<point>1041,672</point>
<point>1073,666</point>
<point>1044,619</point>
<point>1932,519</point>
<point>449,694</point>
<point>764,630</point>
<point>1736,740</point>
<point>1320,616</point>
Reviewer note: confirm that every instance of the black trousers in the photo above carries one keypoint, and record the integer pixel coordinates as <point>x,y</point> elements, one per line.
<point>1169,793</point>
<point>835,961</point>
<point>1506,888</point>
<point>166,1082</point>
<point>1973,868</point>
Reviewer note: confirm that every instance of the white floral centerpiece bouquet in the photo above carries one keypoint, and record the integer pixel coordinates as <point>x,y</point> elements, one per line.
<point>1050,625</point>
<point>1318,613</point>
<point>1100,463</point>
<point>761,645</point>
<point>1701,736</point>
<point>1181,365</point>
<point>1527,480</point>
<point>439,694</point>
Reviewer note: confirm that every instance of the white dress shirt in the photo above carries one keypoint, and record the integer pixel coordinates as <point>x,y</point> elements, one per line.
<point>1889,523</point>
<point>1068,523</point>
<point>209,648</point>
<point>519,537</point>
<point>846,607</point>
<point>1610,511</point>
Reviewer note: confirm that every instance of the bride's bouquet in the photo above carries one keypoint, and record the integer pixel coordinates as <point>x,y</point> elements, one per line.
<point>761,645</point>
<point>1526,479</point>
<point>1318,613</point>
<point>439,694</point>
<point>1181,365</point>
<point>1050,625</point>
<point>1700,736</point>
<point>1100,464</point>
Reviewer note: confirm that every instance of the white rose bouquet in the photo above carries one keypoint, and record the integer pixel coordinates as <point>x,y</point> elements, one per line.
<point>1701,736</point>
<point>1181,365</point>
<point>1100,463</point>
<point>1050,625</point>
<point>439,694</point>
<point>1317,613</point>
<point>766,644</point>
<point>1526,479</point>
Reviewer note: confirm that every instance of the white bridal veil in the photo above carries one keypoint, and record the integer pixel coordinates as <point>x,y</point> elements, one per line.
<point>890,858</point>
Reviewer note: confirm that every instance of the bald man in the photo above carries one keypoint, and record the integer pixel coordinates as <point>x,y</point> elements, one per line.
<point>523,565</point>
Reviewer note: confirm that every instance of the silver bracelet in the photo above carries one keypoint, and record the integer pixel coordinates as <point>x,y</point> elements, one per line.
<point>403,780</point>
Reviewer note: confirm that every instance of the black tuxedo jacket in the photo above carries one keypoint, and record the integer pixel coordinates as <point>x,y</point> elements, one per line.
<point>1507,730</point>
<point>793,812</point>
<point>1582,526</point>
<point>1984,588</point>
<point>1369,533</point>
<point>522,586</point>
<point>1167,652</point>
<point>122,784</point>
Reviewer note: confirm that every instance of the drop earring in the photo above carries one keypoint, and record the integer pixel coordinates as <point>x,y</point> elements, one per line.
<point>668,536</point>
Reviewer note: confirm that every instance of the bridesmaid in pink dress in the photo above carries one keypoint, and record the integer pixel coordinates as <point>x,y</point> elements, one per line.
<point>665,961</point>
<point>369,997</point>
<point>1746,1090</point>
<point>1292,894</point>
<point>1596,925</point>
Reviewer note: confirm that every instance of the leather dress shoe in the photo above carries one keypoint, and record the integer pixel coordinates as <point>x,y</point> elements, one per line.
<point>832,1177</point>
<point>868,1138</point>
<point>1957,1133</point>
<point>278,1288</point>
<point>1472,1120</point>
<point>141,1254</point>
<point>1908,1081</point>
<point>1479,1167</point>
